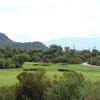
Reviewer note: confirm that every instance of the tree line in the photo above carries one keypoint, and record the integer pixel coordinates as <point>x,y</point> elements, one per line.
<point>15,57</point>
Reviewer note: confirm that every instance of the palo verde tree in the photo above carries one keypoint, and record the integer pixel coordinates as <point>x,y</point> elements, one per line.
<point>21,58</point>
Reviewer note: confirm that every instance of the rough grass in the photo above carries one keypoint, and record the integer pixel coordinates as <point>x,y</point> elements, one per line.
<point>8,76</point>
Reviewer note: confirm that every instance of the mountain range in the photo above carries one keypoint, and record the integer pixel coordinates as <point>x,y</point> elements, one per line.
<point>72,42</point>
<point>77,43</point>
<point>6,41</point>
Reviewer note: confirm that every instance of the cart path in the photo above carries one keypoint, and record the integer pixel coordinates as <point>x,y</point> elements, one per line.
<point>86,64</point>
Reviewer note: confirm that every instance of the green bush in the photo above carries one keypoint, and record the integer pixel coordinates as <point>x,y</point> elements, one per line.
<point>35,59</point>
<point>69,87</point>
<point>73,86</point>
<point>1,63</point>
<point>90,91</point>
<point>7,93</point>
<point>59,59</point>
<point>20,58</point>
<point>94,61</point>
<point>1,55</point>
<point>74,60</point>
<point>7,63</point>
<point>31,86</point>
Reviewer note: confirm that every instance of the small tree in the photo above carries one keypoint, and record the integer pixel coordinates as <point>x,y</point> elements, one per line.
<point>21,58</point>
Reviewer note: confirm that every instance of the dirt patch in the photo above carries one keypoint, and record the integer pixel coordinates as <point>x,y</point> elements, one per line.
<point>30,69</point>
<point>63,70</point>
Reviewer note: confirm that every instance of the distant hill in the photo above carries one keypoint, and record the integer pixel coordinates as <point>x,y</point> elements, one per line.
<point>6,41</point>
<point>78,43</point>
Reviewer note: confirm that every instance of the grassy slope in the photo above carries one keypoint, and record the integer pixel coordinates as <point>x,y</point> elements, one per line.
<point>8,76</point>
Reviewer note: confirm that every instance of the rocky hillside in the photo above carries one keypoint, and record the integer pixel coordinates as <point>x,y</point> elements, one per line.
<point>6,41</point>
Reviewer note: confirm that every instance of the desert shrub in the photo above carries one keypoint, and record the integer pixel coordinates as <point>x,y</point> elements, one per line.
<point>98,63</point>
<point>90,91</point>
<point>36,86</point>
<point>1,55</point>
<point>7,63</point>
<point>59,59</point>
<point>36,58</point>
<point>94,61</point>
<point>73,86</point>
<point>1,63</point>
<point>74,60</point>
<point>31,86</point>
<point>7,93</point>
<point>67,88</point>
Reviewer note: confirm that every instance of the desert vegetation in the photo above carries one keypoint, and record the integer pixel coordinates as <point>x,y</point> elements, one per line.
<point>51,74</point>
<point>36,86</point>
<point>54,54</point>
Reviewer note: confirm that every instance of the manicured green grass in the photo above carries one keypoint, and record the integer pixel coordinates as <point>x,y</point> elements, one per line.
<point>8,76</point>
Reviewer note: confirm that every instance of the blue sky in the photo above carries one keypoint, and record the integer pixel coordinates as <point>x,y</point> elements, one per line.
<point>76,43</point>
<point>42,20</point>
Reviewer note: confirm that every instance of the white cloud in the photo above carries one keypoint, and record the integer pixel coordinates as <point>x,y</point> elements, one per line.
<point>43,20</point>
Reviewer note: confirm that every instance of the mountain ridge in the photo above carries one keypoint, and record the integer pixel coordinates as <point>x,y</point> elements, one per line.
<point>6,41</point>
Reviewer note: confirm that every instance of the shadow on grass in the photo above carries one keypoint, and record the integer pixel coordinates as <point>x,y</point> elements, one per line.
<point>31,69</point>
